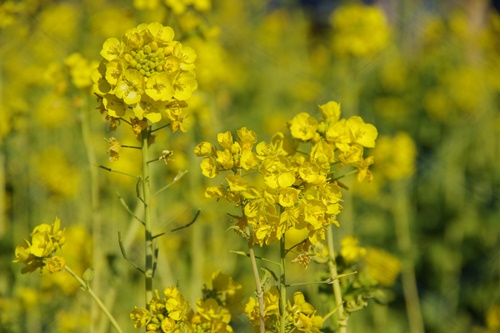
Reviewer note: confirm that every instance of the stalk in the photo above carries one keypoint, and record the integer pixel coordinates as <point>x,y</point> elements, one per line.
<point>258,286</point>
<point>282,284</point>
<point>86,287</point>
<point>342,316</point>
<point>146,200</point>
<point>401,215</point>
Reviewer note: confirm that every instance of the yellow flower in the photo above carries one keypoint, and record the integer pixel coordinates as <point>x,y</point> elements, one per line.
<point>359,30</point>
<point>382,266</point>
<point>225,140</point>
<point>362,133</point>
<point>204,149</point>
<point>236,183</point>
<point>159,86</point>
<point>288,197</point>
<point>146,64</point>
<point>303,126</point>
<point>330,111</point>
<point>141,317</point>
<point>55,264</point>
<point>225,159</point>
<point>395,156</point>
<point>351,251</point>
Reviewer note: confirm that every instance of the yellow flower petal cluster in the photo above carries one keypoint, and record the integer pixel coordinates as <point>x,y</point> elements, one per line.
<point>172,313</point>
<point>376,266</point>
<point>148,72</point>
<point>271,309</point>
<point>298,188</point>
<point>359,30</point>
<point>396,156</point>
<point>303,315</point>
<point>166,314</point>
<point>46,242</point>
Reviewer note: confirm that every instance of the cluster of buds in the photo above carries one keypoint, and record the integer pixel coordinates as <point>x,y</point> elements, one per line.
<point>41,251</point>
<point>299,187</point>
<point>148,72</point>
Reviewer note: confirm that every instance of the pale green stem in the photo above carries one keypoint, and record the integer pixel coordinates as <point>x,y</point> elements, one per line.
<point>342,315</point>
<point>258,286</point>
<point>86,287</point>
<point>148,270</point>
<point>400,210</point>
<point>282,284</point>
<point>94,202</point>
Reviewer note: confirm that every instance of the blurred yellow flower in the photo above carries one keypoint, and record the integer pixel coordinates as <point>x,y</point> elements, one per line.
<point>395,156</point>
<point>359,30</point>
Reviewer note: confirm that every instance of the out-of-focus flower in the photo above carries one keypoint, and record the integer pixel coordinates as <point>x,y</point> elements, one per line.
<point>359,30</point>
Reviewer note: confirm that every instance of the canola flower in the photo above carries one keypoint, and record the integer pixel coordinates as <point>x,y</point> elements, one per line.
<point>301,314</point>
<point>43,250</point>
<point>172,313</point>
<point>148,72</point>
<point>300,189</point>
<point>359,30</point>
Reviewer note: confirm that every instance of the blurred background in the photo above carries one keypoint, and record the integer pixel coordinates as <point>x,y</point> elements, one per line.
<point>425,73</point>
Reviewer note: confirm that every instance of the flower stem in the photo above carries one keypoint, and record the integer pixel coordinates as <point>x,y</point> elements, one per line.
<point>146,194</point>
<point>101,305</point>
<point>332,265</point>
<point>282,284</point>
<point>258,286</point>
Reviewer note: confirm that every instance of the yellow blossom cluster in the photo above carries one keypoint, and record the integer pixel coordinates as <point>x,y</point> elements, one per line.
<point>299,188</point>
<point>42,250</point>
<point>359,30</point>
<point>148,72</point>
<point>301,316</point>
<point>173,313</point>
<point>377,267</point>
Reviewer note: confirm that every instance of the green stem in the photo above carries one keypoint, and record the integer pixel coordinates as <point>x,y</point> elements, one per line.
<point>148,271</point>
<point>258,286</point>
<point>342,315</point>
<point>282,284</point>
<point>101,305</point>
<point>401,213</point>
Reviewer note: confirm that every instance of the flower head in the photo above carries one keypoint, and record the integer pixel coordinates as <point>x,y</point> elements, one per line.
<point>46,242</point>
<point>145,71</point>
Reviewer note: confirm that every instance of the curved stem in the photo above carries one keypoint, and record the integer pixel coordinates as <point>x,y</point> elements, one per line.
<point>101,305</point>
<point>332,265</point>
<point>146,195</point>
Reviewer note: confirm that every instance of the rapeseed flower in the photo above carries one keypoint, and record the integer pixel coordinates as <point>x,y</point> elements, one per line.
<point>41,251</point>
<point>148,72</point>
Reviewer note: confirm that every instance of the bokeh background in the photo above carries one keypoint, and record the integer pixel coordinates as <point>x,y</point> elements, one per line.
<point>425,73</point>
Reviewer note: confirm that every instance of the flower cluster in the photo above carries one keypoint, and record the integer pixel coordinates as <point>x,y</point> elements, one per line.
<point>168,314</point>
<point>376,266</point>
<point>46,242</point>
<point>359,30</point>
<point>299,189</point>
<point>301,316</point>
<point>174,314</point>
<point>148,72</point>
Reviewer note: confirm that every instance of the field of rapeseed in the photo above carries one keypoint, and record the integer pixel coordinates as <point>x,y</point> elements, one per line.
<point>249,166</point>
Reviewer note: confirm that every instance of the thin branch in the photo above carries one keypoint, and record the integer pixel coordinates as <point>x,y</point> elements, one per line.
<point>177,177</point>
<point>182,226</point>
<point>241,253</point>
<point>127,208</point>
<point>116,171</point>
<point>122,249</point>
